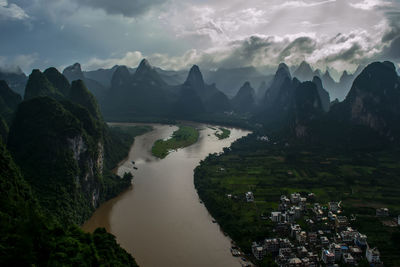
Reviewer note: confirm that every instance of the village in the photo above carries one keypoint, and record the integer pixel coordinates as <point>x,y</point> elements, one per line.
<point>307,234</point>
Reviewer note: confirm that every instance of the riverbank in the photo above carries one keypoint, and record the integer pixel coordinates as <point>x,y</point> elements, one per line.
<point>270,169</point>
<point>124,137</point>
<point>161,211</point>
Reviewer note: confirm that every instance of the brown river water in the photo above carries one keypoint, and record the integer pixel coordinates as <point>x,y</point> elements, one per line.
<point>160,219</point>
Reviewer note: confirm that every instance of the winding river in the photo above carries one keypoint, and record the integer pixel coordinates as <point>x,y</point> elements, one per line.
<point>160,219</point>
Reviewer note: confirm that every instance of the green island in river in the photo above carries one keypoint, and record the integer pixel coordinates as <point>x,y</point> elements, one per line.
<point>222,133</point>
<point>183,137</point>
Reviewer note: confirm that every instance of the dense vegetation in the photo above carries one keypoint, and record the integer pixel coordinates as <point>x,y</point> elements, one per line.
<point>29,237</point>
<point>9,101</point>
<point>40,139</point>
<point>363,180</point>
<point>223,133</point>
<point>66,154</point>
<point>183,137</point>
<point>65,150</point>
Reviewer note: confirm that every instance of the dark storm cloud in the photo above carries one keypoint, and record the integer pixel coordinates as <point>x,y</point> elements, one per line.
<point>349,54</point>
<point>340,38</point>
<point>248,51</point>
<point>178,33</point>
<point>254,45</point>
<point>393,19</point>
<point>394,49</point>
<point>391,37</point>
<point>263,50</point>
<point>127,8</point>
<point>303,45</point>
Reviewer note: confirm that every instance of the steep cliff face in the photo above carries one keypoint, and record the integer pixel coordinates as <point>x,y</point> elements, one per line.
<point>89,179</point>
<point>307,107</point>
<point>278,101</point>
<point>195,97</point>
<point>60,150</point>
<point>304,72</point>
<point>374,99</point>
<point>120,77</point>
<point>323,94</point>
<point>74,72</point>
<point>28,238</point>
<point>281,79</point>
<point>79,94</point>
<point>140,94</point>
<point>3,130</point>
<point>244,101</point>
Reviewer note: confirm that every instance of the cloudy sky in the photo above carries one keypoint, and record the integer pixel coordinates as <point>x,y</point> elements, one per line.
<point>174,34</point>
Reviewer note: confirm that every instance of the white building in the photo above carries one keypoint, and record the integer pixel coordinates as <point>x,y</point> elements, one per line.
<point>301,237</point>
<point>382,212</point>
<point>258,251</point>
<point>348,259</point>
<point>297,212</point>
<point>336,249</point>
<point>328,257</point>
<point>276,216</point>
<point>294,229</point>
<point>372,255</point>
<point>360,240</point>
<point>295,198</point>
<point>324,241</point>
<point>249,197</point>
<point>290,217</point>
<point>263,138</point>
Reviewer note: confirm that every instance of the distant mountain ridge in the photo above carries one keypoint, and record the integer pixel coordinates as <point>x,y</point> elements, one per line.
<point>369,115</point>
<point>281,79</point>
<point>304,72</point>
<point>16,80</point>
<point>245,99</point>
<point>229,79</point>
<point>198,97</point>
<point>140,93</point>
<point>226,79</point>
<point>75,72</point>
<point>144,93</point>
